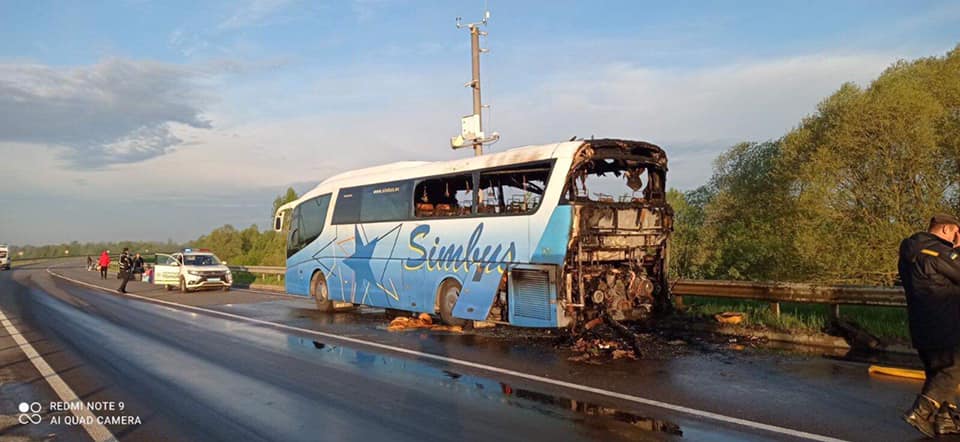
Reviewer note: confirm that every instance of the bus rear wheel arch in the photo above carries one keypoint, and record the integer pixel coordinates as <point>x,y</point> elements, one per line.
<point>447,297</point>
<point>320,292</point>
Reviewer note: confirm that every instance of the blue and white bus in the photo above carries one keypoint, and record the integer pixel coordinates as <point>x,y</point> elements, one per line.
<point>538,236</point>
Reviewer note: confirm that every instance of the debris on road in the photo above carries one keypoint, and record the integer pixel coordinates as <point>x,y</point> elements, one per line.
<point>855,335</point>
<point>424,321</point>
<point>596,349</point>
<point>729,317</point>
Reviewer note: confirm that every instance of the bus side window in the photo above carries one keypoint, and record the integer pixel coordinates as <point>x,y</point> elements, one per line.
<point>514,190</point>
<point>444,197</point>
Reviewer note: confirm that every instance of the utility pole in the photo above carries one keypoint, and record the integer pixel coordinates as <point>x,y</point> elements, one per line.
<point>475,83</point>
<point>471,126</point>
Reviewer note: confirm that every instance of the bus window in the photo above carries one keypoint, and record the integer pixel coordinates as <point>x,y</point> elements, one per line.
<point>444,197</point>
<point>373,203</point>
<point>313,214</point>
<point>614,180</point>
<point>385,202</point>
<point>514,190</point>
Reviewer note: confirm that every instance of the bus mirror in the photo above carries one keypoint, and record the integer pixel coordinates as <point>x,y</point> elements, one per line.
<point>278,222</point>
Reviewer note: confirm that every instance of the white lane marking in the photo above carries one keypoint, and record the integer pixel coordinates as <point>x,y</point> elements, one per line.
<point>489,368</point>
<point>95,429</point>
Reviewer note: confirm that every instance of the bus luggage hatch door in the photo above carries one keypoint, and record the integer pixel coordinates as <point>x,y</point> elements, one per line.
<point>532,296</point>
<point>478,292</point>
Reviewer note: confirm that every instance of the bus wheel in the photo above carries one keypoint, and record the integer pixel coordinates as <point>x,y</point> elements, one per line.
<point>449,293</point>
<point>318,289</point>
<point>168,287</point>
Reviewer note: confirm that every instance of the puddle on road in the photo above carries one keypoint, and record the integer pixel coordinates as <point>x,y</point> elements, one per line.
<point>591,415</point>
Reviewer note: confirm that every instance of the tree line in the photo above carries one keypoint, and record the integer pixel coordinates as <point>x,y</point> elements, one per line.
<point>249,246</point>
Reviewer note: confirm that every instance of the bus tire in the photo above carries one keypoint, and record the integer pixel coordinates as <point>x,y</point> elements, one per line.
<point>447,299</point>
<point>168,287</point>
<point>320,292</point>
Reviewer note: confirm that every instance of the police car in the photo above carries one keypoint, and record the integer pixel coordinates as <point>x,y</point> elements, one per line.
<point>4,257</point>
<point>191,270</point>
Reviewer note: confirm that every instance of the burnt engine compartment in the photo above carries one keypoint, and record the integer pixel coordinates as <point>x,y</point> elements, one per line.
<point>617,256</point>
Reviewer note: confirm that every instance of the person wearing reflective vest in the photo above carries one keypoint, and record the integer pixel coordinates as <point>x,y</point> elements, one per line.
<point>929,267</point>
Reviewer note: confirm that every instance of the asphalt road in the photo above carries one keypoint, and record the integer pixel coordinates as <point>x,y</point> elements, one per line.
<point>189,375</point>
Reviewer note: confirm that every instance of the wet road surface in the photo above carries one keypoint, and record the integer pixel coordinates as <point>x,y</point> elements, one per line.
<point>190,375</point>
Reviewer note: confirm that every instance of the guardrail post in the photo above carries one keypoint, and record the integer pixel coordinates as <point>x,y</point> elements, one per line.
<point>835,311</point>
<point>775,309</point>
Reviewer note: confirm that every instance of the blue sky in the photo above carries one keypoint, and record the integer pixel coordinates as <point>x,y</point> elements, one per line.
<point>144,119</point>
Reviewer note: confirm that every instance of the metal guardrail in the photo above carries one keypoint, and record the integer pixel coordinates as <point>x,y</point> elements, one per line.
<point>263,270</point>
<point>792,292</point>
<point>772,292</point>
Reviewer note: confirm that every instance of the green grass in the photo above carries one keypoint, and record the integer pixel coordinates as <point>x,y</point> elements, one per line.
<point>884,322</point>
<point>244,279</point>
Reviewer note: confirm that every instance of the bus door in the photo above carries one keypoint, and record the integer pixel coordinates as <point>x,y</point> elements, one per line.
<point>166,271</point>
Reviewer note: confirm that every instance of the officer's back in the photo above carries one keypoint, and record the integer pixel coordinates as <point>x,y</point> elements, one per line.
<point>926,265</point>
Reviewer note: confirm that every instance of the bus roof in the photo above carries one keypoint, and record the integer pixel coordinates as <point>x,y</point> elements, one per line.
<point>413,169</point>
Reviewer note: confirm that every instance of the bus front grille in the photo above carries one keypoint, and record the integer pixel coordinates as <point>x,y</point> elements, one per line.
<point>531,294</point>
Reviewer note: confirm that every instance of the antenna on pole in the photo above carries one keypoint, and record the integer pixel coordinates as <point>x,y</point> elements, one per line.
<point>471,126</point>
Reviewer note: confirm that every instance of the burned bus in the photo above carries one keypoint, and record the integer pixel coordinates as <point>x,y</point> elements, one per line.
<point>538,236</point>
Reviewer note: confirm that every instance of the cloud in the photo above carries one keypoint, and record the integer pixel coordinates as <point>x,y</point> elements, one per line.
<point>253,13</point>
<point>335,122</point>
<point>753,100</point>
<point>116,111</point>
<point>694,113</point>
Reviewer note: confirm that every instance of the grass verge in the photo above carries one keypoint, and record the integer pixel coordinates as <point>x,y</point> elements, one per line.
<point>246,279</point>
<point>888,323</point>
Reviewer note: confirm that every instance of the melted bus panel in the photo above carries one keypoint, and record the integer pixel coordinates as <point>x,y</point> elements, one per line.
<point>617,256</point>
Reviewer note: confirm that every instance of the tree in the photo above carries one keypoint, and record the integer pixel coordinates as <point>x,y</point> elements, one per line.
<point>290,195</point>
<point>687,255</point>
<point>830,201</point>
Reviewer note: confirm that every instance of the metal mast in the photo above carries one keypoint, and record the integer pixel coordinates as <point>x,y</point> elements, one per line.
<point>472,125</point>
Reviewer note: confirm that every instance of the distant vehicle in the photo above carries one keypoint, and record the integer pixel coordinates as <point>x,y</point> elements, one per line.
<point>4,257</point>
<point>532,236</point>
<point>191,270</point>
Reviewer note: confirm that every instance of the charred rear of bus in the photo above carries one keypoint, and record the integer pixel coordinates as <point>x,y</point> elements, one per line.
<point>617,255</point>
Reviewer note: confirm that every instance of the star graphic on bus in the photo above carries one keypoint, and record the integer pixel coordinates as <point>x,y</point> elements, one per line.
<point>359,262</point>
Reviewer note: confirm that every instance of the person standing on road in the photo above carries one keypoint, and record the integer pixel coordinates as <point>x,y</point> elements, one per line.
<point>138,266</point>
<point>89,263</point>
<point>126,269</point>
<point>929,268</point>
<point>104,263</point>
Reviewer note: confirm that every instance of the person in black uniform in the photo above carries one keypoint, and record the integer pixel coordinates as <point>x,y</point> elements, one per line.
<point>929,267</point>
<point>138,266</point>
<point>126,269</point>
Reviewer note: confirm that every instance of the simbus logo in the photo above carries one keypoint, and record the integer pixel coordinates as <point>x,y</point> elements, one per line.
<point>458,257</point>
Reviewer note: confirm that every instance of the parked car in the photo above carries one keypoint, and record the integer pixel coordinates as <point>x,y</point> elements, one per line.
<point>191,270</point>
